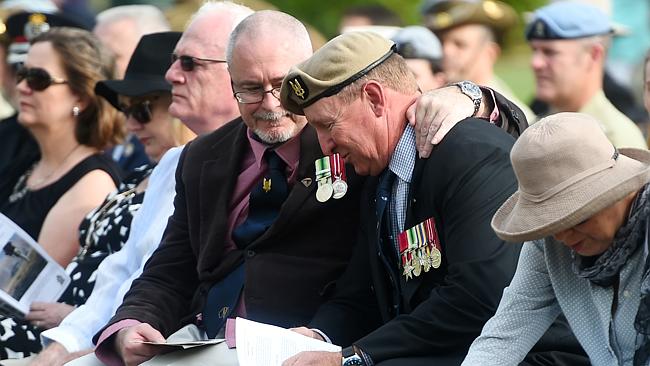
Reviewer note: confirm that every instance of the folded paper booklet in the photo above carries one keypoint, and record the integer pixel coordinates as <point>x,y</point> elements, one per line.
<point>188,337</point>
<point>183,344</point>
<point>27,272</point>
<point>264,344</point>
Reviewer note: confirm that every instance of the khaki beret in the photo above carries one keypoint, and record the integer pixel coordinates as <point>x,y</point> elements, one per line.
<point>449,14</point>
<point>337,64</point>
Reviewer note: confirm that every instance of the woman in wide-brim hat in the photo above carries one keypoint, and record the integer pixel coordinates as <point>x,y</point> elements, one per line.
<point>584,208</point>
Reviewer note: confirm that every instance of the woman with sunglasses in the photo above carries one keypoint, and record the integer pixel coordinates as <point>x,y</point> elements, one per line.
<point>144,97</point>
<point>72,126</point>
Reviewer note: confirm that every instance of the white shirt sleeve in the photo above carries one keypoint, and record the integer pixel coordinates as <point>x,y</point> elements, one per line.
<point>527,309</point>
<point>117,271</point>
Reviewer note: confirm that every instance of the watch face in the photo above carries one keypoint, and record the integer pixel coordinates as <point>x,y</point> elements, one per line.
<point>470,89</point>
<point>352,361</point>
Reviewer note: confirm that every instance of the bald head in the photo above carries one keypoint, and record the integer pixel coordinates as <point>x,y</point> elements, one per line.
<point>261,50</point>
<point>281,29</point>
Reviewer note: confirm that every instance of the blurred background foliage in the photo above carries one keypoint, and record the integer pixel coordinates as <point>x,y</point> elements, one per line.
<point>324,16</point>
<point>512,66</point>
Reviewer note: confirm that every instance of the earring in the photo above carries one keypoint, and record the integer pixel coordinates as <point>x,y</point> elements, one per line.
<point>75,111</point>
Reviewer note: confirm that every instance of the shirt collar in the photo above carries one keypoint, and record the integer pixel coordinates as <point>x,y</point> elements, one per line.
<point>402,161</point>
<point>288,151</point>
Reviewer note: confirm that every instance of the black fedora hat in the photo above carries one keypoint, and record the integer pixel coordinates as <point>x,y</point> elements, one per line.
<point>145,73</point>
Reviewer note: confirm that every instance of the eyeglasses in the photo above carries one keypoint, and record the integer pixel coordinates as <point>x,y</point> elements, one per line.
<point>37,79</point>
<point>255,96</point>
<point>140,111</point>
<point>188,63</point>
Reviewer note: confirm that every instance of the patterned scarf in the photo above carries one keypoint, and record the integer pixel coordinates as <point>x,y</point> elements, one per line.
<point>605,269</point>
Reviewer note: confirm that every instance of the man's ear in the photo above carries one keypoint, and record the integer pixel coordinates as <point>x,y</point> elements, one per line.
<point>493,51</point>
<point>375,95</point>
<point>598,53</point>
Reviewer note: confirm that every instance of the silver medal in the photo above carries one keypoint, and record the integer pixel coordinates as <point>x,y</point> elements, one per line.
<point>324,191</point>
<point>340,188</point>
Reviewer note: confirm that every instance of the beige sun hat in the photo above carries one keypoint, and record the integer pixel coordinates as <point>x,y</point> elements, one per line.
<point>567,172</point>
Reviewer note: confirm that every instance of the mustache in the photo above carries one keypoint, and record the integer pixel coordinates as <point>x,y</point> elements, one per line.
<point>271,116</point>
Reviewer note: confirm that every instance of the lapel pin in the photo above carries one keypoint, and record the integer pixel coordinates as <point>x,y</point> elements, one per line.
<point>306,182</point>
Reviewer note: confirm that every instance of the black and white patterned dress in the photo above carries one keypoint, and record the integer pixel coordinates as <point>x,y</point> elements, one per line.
<point>102,232</point>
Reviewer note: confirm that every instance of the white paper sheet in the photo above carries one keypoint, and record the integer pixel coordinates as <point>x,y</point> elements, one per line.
<point>27,272</point>
<point>263,344</point>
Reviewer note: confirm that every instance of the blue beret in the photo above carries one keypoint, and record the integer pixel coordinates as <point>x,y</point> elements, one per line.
<point>568,20</point>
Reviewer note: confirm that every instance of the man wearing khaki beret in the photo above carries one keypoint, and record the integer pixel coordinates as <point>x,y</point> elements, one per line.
<point>240,209</point>
<point>428,271</point>
<point>472,35</point>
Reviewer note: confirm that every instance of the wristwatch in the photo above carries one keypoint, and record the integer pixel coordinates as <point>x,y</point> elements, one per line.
<point>351,358</point>
<point>472,91</point>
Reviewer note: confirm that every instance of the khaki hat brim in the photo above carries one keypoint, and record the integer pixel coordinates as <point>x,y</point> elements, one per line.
<point>519,219</point>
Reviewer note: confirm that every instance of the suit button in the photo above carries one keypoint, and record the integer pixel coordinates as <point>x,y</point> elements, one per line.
<point>250,253</point>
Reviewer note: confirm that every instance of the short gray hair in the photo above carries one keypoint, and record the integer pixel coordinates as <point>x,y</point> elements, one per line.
<point>146,18</point>
<point>238,12</point>
<point>261,20</point>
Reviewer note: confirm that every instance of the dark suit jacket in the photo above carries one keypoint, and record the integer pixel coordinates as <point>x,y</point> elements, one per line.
<point>461,185</point>
<point>288,269</point>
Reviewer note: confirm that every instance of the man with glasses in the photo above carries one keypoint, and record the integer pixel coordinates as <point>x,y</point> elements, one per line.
<point>250,235</point>
<point>207,35</point>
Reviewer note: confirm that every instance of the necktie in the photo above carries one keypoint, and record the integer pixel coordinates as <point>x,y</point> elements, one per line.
<point>266,198</point>
<point>265,201</point>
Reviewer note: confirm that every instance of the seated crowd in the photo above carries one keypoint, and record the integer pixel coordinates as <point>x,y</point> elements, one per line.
<point>348,193</point>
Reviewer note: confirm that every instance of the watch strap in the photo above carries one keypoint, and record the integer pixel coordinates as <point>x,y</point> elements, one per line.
<point>348,351</point>
<point>469,88</point>
<point>354,356</point>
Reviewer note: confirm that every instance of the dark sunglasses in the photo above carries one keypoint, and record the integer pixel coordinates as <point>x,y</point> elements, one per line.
<point>141,111</point>
<point>188,63</point>
<point>37,79</point>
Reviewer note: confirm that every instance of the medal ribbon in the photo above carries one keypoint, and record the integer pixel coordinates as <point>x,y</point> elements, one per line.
<point>432,233</point>
<point>338,166</point>
<point>323,170</point>
<point>422,236</point>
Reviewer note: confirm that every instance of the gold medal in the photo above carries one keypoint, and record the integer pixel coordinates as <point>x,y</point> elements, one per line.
<point>417,268</point>
<point>426,261</point>
<point>436,257</point>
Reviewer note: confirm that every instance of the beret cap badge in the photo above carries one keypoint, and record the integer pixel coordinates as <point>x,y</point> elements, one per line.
<point>539,29</point>
<point>299,88</point>
<point>442,20</point>
<point>36,25</point>
<point>493,10</point>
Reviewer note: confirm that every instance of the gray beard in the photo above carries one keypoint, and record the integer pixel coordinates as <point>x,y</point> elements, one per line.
<point>277,136</point>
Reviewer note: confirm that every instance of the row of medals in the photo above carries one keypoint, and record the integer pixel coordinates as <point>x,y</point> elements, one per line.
<point>326,188</point>
<point>421,260</point>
